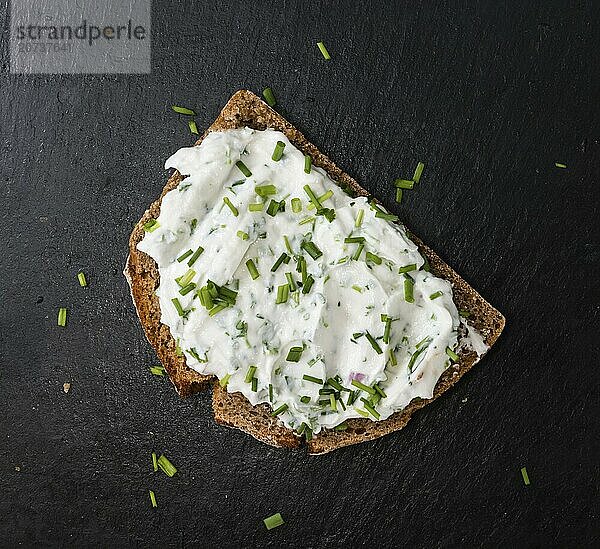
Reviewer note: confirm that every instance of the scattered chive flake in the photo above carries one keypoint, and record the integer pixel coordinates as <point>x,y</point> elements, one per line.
<point>81,278</point>
<point>294,354</point>
<point>269,97</point>
<point>359,218</point>
<point>323,50</point>
<point>283,293</point>
<point>265,190</point>
<point>407,268</point>
<point>151,225</point>
<point>254,385</point>
<point>224,380</point>
<point>308,284</point>
<point>563,166</point>
<point>312,249</point>
<point>166,466</point>
<point>452,354</point>
<point>157,371</point>
<point>341,427</point>
<point>187,289</point>
<point>279,410</point>
<point>307,163</point>
<point>305,399</point>
<point>296,205</point>
<point>154,462</point>
<point>183,110</point>
<point>373,343</point>
<point>312,197</point>
<point>152,498</point>
<point>312,379</point>
<point>217,309</point>
<point>255,207</point>
<point>393,359</point>
<point>408,290</point>
<point>243,235</point>
<point>306,220</point>
<point>356,255</point>
<point>363,387</point>
<point>373,258</point>
<point>195,256</point>
<point>270,392</point>
<point>435,295</point>
<point>178,306</point>
<point>187,277</point>
<point>379,390</point>
<point>254,274</point>
<point>386,216</point>
<point>184,255</point>
<point>273,208</point>
<point>281,259</point>
<point>273,521</point>
<point>388,330</point>
<point>332,402</point>
<point>230,205</point>
<point>288,247</point>
<point>354,239</point>
<point>242,167</point>
<point>525,476</point>
<point>62,317</point>
<point>357,288</point>
<point>325,196</point>
<point>192,126</point>
<point>418,171</point>
<point>361,412</point>
<point>399,196</point>
<point>291,283</point>
<point>370,409</point>
<point>404,183</point>
<point>278,151</point>
<point>250,374</point>
<point>463,313</point>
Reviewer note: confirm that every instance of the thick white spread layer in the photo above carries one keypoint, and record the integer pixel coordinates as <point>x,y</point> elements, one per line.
<point>338,324</point>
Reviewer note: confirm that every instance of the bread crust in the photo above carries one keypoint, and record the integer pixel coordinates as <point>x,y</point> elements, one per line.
<point>246,109</point>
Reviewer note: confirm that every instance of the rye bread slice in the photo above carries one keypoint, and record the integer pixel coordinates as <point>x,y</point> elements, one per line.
<point>246,109</point>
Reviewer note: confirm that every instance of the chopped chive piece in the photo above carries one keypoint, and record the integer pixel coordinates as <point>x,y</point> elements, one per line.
<point>81,278</point>
<point>342,426</point>
<point>361,412</point>
<point>357,288</point>
<point>255,207</point>
<point>435,295</point>
<point>373,343</point>
<point>463,313</point>
<point>363,387</point>
<point>192,126</point>
<point>407,268</point>
<point>273,208</point>
<point>195,256</point>
<point>183,110</point>
<point>217,309</point>
<point>154,462</point>
<point>368,406</point>
<point>323,50</point>
<point>560,165</point>
<point>273,521</point>
<point>157,371</point>
<point>184,255</point>
<point>307,432</point>
<point>386,216</point>
<point>187,277</point>
<point>281,259</point>
<point>306,220</point>
<point>372,258</point>
<point>312,249</point>
<point>398,196</point>
<point>354,239</point>
<point>270,392</point>
<point>388,330</point>
<point>187,289</point>
<point>359,218</point>
<point>332,402</point>
<point>166,466</point>
<point>291,283</point>
<point>283,293</point>
<point>307,163</point>
<point>352,397</point>
<point>321,199</point>
<point>243,235</point>
<point>269,97</point>
<point>426,267</point>
<point>454,357</point>
<point>356,255</point>
<point>296,205</point>
<point>525,476</point>
<point>312,379</point>
<point>288,247</point>
<point>294,354</point>
<point>243,168</point>
<point>278,151</point>
<point>408,290</point>
<point>312,197</point>
<point>265,190</point>
<point>224,380</point>
<point>254,385</point>
<point>229,204</point>
<point>279,410</point>
<point>254,274</point>
<point>379,390</point>
<point>250,374</point>
<point>152,498</point>
<point>404,183</point>
<point>336,384</point>
<point>305,399</point>
<point>308,284</point>
<point>178,306</point>
<point>151,225</point>
<point>393,359</point>
<point>418,172</point>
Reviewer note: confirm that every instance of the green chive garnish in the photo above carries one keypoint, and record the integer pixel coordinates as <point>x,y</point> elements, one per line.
<point>312,197</point>
<point>308,284</point>
<point>166,466</point>
<point>407,268</point>
<point>359,218</point>
<point>398,196</point>
<point>224,380</point>
<point>386,216</point>
<point>560,165</point>
<point>357,288</point>
<point>178,306</point>
<point>273,208</point>
<point>325,196</point>
<point>62,317</point>
<point>218,308</point>
<point>306,220</point>
<point>157,371</point>
<point>393,359</point>
<point>283,293</point>
<point>296,205</point>
<point>278,151</point>
<point>372,258</point>
<point>184,255</point>
<point>341,427</point>
<point>388,330</point>
<point>312,249</point>
<point>187,289</point>
<point>354,240</point>
<point>281,259</point>
<point>356,255</point>
<point>183,110</point>
<point>418,172</point>
<point>363,387</point>
<point>242,167</point>
<point>151,225</point>
<point>82,280</point>
<point>192,126</point>
<point>288,246</point>
<point>370,409</point>
<point>279,410</point>
<point>332,402</point>
<point>230,205</point>
<point>269,97</point>
<point>305,399</point>
<point>294,354</point>
<point>152,498</point>
<point>435,295</point>
<point>154,462</point>
<point>373,343</point>
<point>408,290</point>
<point>404,183</point>
<point>273,521</point>
<point>307,163</point>
<point>250,374</point>
<point>525,476</point>
<point>187,278</point>
<point>255,207</point>
<point>379,390</point>
<point>242,235</point>
<point>270,392</point>
<point>254,274</point>
<point>312,379</point>
<point>254,385</point>
<point>265,190</point>
<point>195,256</point>
<point>291,283</point>
<point>453,356</point>
<point>323,50</point>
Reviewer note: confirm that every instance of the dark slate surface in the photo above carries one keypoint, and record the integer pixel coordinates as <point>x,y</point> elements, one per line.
<point>490,97</point>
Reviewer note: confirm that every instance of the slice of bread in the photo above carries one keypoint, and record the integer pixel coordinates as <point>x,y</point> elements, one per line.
<point>246,109</point>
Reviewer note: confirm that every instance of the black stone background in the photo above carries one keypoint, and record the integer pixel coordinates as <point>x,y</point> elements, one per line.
<point>489,95</point>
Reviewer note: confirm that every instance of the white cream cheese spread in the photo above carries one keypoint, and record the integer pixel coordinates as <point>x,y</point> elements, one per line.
<point>292,292</point>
